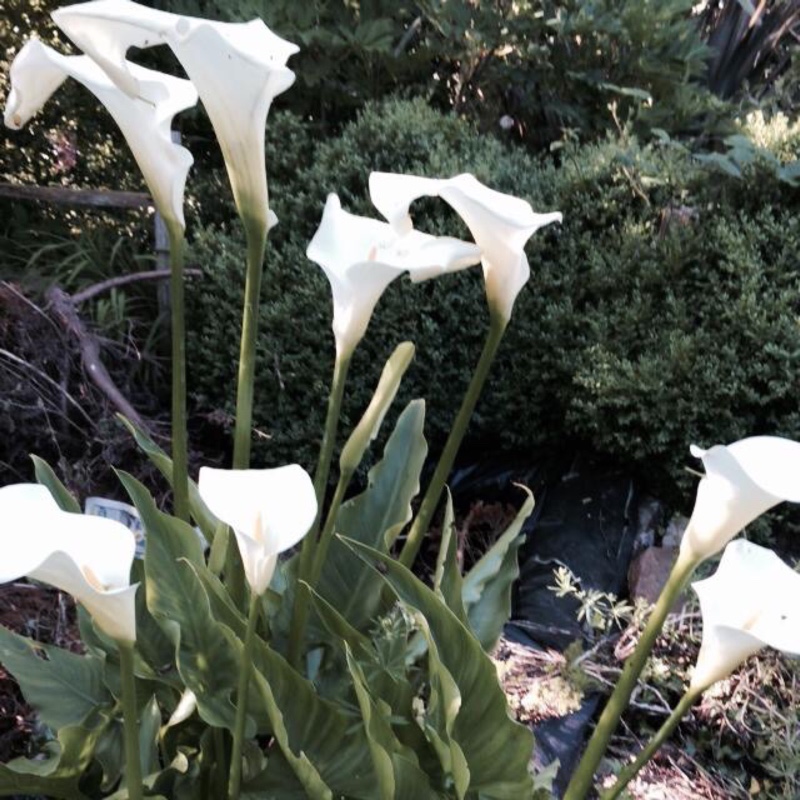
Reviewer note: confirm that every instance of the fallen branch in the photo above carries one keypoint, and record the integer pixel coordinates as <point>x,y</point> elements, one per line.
<point>63,308</point>
<point>124,280</point>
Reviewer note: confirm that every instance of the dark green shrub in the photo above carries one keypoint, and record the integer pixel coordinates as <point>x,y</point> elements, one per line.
<point>663,311</point>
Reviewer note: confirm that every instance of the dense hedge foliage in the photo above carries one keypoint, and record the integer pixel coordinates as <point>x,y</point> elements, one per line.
<point>663,311</point>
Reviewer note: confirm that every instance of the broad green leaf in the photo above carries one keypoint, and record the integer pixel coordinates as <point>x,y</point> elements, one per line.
<point>64,688</point>
<point>441,713</point>
<point>305,771</point>
<point>47,477</point>
<point>487,586</point>
<point>56,772</point>
<point>110,754</point>
<point>207,522</point>
<point>338,626</point>
<point>321,730</point>
<point>154,653</point>
<point>375,517</point>
<point>497,748</point>
<point>397,767</point>
<point>180,605</point>
<point>447,582</point>
<point>315,727</point>
<point>149,728</point>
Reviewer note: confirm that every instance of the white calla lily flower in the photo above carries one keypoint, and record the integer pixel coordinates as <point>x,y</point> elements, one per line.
<point>88,557</point>
<point>751,601</point>
<point>742,481</point>
<point>270,510</point>
<point>500,224</point>
<point>362,256</point>
<point>145,121</point>
<point>238,69</point>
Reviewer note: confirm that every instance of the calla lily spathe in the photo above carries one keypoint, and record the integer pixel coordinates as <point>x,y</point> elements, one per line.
<point>145,121</point>
<point>88,557</point>
<point>500,224</point>
<point>270,510</point>
<point>362,256</point>
<point>751,601</point>
<point>742,481</point>
<point>238,68</point>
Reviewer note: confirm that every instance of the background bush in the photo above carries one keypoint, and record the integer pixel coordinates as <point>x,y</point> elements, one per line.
<point>663,311</point>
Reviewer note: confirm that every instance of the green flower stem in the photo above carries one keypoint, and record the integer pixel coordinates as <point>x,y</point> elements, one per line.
<point>330,526</point>
<point>256,233</point>
<point>582,779</point>
<point>627,774</point>
<point>434,492</point>
<point>180,447</point>
<point>340,369</point>
<point>235,778</point>
<point>133,764</point>
<point>302,596</point>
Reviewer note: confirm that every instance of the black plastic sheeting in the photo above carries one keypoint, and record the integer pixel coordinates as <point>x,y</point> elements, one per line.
<point>584,519</point>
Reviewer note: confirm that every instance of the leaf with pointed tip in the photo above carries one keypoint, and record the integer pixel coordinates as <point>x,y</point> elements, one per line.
<point>315,729</point>
<point>324,732</point>
<point>497,748</point>
<point>180,605</point>
<point>47,477</point>
<point>487,586</point>
<point>149,728</point>
<point>56,773</point>
<point>339,627</point>
<point>441,713</point>
<point>65,688</point>
<point>375,517</point>
<point>207,522</point>
<point>447,581</point>
<point>305,771</point>
<point>397,767</point>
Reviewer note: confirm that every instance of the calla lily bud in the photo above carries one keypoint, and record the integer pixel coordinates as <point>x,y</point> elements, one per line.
<point>742,481</point>
<point>270,510</point>
<point>145,121</point>
<point>362,256</point>
<point>369,425</point>
<point>751,601</point>
<point>88,557</point>
<point>238,69</point>
<point>501,225</point>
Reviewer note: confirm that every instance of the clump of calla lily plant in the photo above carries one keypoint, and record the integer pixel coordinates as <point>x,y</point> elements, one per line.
<point>330,672</point>
<point>250,669</point>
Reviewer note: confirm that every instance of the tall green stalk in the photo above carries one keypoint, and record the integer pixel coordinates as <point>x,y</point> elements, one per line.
<point>433,494</point>
<point>133,764</point>
<point>256,233</point>
<point>235,778</point>
<point>627,774</point>
<point>302,596</point>
<point>180,446</point>
<point>330,525</point>
<point>583,777</point>
<point>321,474</point>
